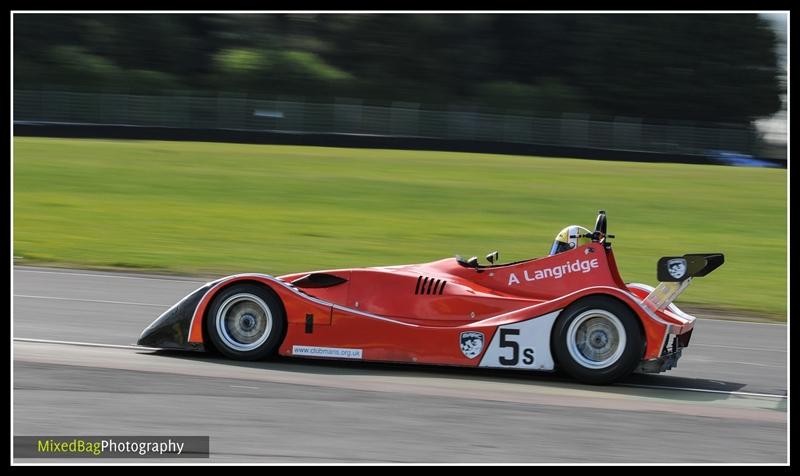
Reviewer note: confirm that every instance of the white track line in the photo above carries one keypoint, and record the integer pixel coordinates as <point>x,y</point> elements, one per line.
<point>83,344</point>
<point>29,296</point>
<point>654,387</point>
<point>733,321</point>
<point>709,361</point>
<point>700,359</point>
<point>762,349</point>
<point>16,270</point>
<point>705,390</point>
<point>756,364</point>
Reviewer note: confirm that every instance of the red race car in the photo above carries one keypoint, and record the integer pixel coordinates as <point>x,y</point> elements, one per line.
<point>570,310</point>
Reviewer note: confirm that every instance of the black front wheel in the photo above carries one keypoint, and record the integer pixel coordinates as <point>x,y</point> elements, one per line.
<point>597,340</point>
<point>246,322</point>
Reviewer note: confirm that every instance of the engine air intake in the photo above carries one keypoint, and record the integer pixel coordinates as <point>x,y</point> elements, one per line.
<point>426,285</point>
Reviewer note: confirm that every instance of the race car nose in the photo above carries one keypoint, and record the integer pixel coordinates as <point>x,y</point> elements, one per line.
<point>171,329</point>
<point>166,331</point>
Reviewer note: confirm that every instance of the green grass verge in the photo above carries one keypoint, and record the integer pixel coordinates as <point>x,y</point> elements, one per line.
<point>192,207</point>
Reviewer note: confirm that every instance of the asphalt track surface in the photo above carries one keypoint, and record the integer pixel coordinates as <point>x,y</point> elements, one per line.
<point>726,402</point>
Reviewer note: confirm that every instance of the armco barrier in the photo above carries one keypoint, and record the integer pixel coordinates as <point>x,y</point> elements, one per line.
<point>100,131</point>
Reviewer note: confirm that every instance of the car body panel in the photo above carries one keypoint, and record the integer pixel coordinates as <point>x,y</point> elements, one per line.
<point>434,313</point>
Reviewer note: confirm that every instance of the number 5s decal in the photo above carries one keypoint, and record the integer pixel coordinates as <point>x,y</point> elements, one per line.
<point>527,352</point>
<point>522,345</point>
<point>504,342</point>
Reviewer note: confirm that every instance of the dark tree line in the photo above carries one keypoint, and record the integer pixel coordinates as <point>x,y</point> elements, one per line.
<point>696,67</point>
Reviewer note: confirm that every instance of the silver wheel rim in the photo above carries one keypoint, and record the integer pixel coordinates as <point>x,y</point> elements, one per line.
<point>596,339</point>
<point>244,322</point>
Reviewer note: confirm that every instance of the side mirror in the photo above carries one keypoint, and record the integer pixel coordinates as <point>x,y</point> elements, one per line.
<point>472,262</point>
<point>492,257</point>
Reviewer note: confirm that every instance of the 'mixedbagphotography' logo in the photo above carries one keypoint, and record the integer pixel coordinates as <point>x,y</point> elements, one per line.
<point>111,446</point>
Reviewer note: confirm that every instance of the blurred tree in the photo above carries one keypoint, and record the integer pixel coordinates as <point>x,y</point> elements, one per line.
<point>241,68</point>
<point>699,67</point>
<point>80,68</point>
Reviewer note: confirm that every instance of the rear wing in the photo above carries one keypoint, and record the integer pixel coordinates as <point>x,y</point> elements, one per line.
<point>676,272</point>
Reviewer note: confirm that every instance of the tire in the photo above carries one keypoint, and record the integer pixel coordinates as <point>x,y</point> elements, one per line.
<point>597,340</point>
<point>246,322</point>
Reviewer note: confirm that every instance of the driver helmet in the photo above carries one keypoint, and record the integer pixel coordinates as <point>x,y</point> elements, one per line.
<point>569,238</point>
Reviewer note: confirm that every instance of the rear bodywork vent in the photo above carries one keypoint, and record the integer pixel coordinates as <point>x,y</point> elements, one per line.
<point>426,285</point>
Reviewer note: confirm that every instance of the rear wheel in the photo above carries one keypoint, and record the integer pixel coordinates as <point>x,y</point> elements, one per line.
<point>246,322</point>
<point>597,340</point>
